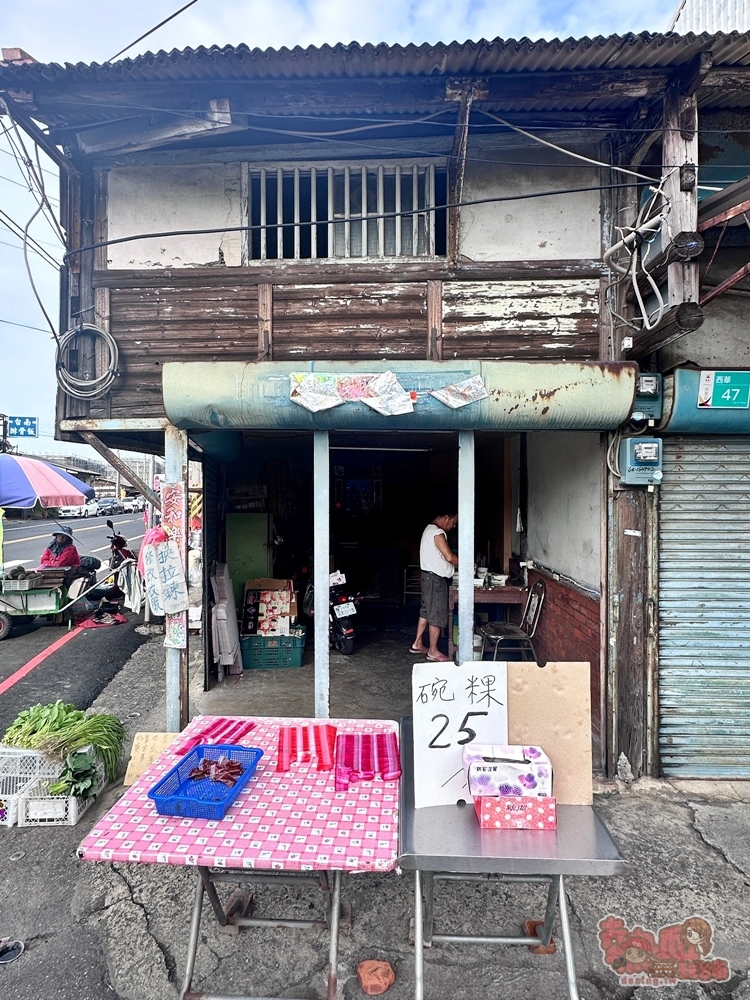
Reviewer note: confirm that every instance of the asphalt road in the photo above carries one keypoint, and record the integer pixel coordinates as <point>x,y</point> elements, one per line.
<point>24,541</point>
<point>80,669</point>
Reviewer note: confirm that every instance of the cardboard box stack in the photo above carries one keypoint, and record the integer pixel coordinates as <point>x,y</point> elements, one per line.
<point>269,607</point>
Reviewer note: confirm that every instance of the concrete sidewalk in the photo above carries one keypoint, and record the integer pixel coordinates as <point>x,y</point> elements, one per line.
<point>688,844</point>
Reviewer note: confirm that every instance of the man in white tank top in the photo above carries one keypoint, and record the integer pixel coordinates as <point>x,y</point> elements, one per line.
<point>437,563</point>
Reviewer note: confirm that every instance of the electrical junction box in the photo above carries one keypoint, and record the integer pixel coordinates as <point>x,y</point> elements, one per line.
<point>640,461</point>
<point>649,397</point>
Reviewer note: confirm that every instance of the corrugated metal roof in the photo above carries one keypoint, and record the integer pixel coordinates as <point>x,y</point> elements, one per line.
<point>482,57</point>
<point>711,15</point>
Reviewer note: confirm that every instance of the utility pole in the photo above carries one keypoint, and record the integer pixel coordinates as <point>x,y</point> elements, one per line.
<point>3,433</point>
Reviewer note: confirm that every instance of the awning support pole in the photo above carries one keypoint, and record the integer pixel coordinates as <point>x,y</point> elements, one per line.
<point>465,547</point>
<point>321,555</point>
<point>176,471</point>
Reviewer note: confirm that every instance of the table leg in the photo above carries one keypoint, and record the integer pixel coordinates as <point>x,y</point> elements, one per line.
<point>213,896</point>
<point>333,955</point>
<point>570,968</point>
<point>418,938</point>
<point>195,925</point>
<point>429,902</point>
<point>544,933</point>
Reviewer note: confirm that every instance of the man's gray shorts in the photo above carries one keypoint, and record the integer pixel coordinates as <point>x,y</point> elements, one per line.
<point>434,599</point>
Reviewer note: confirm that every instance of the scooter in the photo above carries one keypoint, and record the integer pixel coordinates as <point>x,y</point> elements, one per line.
<point>118,547</point>
<point>119,554</point>
<point>341,609</point>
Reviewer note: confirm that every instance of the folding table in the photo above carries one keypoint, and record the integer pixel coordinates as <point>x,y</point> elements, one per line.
<point>288,827</point>
<point>447,843</point>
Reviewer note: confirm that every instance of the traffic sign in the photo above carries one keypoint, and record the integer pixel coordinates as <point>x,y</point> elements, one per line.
<point>23,427</point>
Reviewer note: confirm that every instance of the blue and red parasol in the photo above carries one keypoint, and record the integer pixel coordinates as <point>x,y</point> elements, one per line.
<point>27,481</point>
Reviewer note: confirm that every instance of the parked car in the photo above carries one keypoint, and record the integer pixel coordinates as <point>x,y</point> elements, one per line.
<point>109,505</point>
<point>130,505</point>
<point>90,508</point>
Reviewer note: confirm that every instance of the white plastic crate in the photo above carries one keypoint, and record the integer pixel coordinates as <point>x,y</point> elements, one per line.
<point>11,786</point>
<point>37,807</point>
<point>17,763</point>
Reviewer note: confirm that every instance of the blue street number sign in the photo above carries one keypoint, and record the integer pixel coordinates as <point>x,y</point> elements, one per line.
<point>23,427</point>
<point>724,390</point>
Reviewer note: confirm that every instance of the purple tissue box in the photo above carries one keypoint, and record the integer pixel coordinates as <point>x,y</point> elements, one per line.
<point>507,770</point>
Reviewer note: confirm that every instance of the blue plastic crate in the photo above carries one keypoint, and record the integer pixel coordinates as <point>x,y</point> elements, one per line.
<point>177,794</point>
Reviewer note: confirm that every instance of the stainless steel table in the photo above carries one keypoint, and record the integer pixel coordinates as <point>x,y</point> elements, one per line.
<point>447,843</point>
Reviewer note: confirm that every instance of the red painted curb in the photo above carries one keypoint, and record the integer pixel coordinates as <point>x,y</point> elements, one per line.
<point>36,660</point>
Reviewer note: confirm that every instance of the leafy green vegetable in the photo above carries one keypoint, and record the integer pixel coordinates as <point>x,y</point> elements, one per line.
<point>60,730</point>
<point>104,732</point>
<point>36,723</point>
<point>79,778</point>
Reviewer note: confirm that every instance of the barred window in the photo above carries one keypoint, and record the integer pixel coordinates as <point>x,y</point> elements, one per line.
<point>372,211</point>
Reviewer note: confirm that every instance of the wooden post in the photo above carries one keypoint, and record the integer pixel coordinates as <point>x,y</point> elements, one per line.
<point>434,320</point>
<point>507,504</point>
<point>265,322</point>
<point>680,187</point>
<point>321,557</point>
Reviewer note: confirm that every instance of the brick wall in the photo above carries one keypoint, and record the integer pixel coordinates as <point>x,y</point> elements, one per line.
<point>569,630</point>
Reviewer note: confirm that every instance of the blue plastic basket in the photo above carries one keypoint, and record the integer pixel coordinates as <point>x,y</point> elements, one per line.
<point>177,794</point>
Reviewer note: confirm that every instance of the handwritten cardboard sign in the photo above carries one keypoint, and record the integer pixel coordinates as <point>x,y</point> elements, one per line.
<point>453,706</point>
<point>146,748</point>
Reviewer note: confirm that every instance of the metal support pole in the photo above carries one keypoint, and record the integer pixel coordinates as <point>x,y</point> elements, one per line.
<point>465,546</point>
<point>570,969</point>
<point>321,556</point>
<point>418,938</point>
<point>149,525</point>
<point>333,952</point>
<point>176,471</point>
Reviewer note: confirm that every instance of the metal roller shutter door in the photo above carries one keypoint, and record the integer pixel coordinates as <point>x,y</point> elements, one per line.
<point>704,607</point>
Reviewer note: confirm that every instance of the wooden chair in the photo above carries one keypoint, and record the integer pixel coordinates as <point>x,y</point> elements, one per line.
<point>512,639</point>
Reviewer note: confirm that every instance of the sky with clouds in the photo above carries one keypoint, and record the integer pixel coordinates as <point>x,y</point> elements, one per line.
<point>88,31</point>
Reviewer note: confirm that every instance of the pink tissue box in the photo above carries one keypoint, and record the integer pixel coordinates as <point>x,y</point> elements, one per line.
<point>496,770</point>
<point>515,812</point>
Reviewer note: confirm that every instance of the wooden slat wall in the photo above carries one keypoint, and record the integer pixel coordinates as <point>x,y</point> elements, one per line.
<point>154,325</point>
<point>356,322</point>
<point>521,320</point>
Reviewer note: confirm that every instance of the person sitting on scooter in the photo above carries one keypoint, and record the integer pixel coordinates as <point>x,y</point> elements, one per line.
<point>61,552</point>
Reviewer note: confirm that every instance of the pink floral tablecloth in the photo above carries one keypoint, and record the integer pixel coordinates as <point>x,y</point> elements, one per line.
<point>294,820</point>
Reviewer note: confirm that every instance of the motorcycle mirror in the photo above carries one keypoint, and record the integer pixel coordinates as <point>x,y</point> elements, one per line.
<point>110,525</point>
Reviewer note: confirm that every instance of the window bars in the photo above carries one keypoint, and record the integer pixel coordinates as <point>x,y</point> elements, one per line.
<point>297,213</point>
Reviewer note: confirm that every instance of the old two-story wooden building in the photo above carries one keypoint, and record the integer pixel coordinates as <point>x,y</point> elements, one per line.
<point>558,219</point>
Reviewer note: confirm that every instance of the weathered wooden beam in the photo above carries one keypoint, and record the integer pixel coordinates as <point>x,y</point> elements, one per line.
<point>726,78</point>
<point>678,321</point>
<point>42,140</point>
<point>335,272</point>
<point>393,95</point>
<point>117,463</point>
<point>680,149</point>
<point>434,321</point>
<point>265,322</point>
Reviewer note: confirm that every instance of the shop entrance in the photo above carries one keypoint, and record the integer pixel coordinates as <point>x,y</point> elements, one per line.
<point>374,492</point>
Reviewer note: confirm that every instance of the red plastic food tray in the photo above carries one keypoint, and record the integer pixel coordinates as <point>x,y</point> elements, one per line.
<point>177,794</point>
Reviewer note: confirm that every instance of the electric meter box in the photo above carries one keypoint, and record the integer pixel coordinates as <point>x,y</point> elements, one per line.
<point>640,461</point>
<point>649,397</point>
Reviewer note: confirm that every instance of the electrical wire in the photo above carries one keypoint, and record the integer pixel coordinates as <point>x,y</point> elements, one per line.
<point>562,149</point>
<point>369,217</point>
<point>33,244</point>
<point>37,296</point>
<point>36,180</point>
<point>152,30</point>
<point>86,388</point>
<point>24,326</point>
